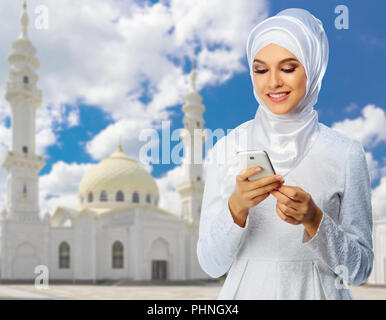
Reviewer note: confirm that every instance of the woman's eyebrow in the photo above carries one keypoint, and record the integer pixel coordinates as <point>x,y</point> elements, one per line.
<point>284,60</point>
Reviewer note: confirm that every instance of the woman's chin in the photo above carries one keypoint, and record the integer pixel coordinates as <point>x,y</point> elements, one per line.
<point>280,109</point>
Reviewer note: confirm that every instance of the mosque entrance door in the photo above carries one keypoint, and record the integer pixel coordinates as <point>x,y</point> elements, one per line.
<point>159,270</point>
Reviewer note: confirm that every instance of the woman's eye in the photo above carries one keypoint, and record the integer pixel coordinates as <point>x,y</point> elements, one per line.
<point>260,71</point>
<point>289,70</point>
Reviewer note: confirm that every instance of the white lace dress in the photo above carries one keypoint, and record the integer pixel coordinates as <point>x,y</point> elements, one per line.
<point>272,259</point>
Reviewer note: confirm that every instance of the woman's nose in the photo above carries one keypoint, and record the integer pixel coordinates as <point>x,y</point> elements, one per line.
<point>274,80</point>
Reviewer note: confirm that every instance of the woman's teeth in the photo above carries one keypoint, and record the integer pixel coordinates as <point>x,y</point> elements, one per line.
<point>278,95</point>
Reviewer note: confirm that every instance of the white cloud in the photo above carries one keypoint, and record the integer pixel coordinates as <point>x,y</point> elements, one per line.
<point>369,129</point>
<point>44,137</point>
<point>351,107</point>
<point>73,118</point>
<point>5,140</point>
<point>60,186</point>
<point>379,200</point>
<point>373,165</point>
<point>126,131</point>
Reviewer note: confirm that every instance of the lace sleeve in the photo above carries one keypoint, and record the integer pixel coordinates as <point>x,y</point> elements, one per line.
<point>349,243</point>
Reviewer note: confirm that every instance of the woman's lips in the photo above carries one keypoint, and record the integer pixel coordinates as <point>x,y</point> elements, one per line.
<point>279,99</point>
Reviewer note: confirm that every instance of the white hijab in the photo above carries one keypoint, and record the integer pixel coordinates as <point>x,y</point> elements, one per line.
<point>288,137</point>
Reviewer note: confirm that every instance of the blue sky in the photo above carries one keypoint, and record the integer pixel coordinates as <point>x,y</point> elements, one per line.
<point>354,79</point>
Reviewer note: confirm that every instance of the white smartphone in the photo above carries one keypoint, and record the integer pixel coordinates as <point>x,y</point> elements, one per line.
<point>254,158</point>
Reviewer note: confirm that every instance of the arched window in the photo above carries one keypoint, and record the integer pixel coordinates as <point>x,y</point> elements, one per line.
<point>25,79</point>
<point>103,196</point>
<point>198,178</point>
<point>135,197</point>
<point>119,196</point>
<point>117,255</point>
<point>148,198</point>
<point>90,197</point>
<point>64,255</point>
<point>24,190</point>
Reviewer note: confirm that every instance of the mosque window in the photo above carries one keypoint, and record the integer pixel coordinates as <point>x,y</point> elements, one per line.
<point>90,197</point>
<point>117,256</point>
<point>148,199</point>
<point>64,255</point>
<point>198,178</point>
<point>103,196</point>
<point>119,196</point>
<point>198,123</point>
<point>25,149</point>
<point>24,190</point>
<point>25,79</point>
<point>135,197</point>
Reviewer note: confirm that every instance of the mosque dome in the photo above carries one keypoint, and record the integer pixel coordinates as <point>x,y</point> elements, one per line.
<point>117,181</point>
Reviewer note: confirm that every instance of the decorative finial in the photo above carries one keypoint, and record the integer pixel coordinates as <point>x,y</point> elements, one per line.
<point>193,75</point>
<point>24,21</point>
<point>119,144</point>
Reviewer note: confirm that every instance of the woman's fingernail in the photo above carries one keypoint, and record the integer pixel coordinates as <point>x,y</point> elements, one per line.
<point>257,169</point>
<point>279,177</point>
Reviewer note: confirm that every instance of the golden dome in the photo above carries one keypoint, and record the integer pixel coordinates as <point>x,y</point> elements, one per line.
<point>113,174</point>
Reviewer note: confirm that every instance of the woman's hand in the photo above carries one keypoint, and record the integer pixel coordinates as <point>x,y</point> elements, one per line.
<point>248,194</point>
<point>296,206</point>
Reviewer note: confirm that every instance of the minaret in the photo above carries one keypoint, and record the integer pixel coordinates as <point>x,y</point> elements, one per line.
<point>193,135</point>
<point>24,97</point>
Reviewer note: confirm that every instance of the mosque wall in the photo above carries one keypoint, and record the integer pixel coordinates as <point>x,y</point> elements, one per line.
<point>378,274</point>
<point>197,272</point>
<point>24,249</point>
<point>85,249</point>
<point>106,238</point>
<point>58,236</point>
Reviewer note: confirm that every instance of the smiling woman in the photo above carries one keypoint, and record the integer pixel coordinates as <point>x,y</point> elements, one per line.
<point>313,237</point>
<point>279,78</point>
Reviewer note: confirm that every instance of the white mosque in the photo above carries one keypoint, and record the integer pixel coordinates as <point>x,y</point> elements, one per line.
<point>118,231</point>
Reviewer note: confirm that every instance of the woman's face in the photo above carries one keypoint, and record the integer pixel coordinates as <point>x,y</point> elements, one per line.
<point>272,75</point>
